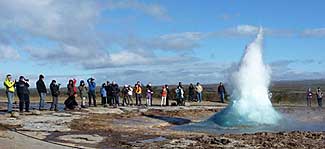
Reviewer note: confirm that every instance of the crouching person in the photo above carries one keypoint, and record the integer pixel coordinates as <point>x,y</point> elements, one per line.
<point>23,93</point>
<point>71,103</point>
<point>55,91</point>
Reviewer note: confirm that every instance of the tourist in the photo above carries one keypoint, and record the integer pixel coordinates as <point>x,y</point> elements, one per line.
<point>55,91</point>
<point>309,97</point>
<point>163,96</point>
<point>103,94</point>
<point>125,93</point>
<point>168,95</point>
<point>115,93</point>
<point>23,93</point>
<point>71,102</point>
<point>72,87</point>
<point>109,93</point>
<point>138,92</point>
<point>91,91</point>
<point>191,92</point>
<point>221,92</point>
<point>41,88</point>
<point>130,94</point>
<point>83,93</point>
<point>10,91</point>
<point>199,90</point>
<point>149,95</point>
<point>180,94</point>
<point>319,94</point>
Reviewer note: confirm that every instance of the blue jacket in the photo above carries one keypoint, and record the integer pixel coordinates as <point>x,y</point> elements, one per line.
<point>92,86</point>
<point>103,92</point>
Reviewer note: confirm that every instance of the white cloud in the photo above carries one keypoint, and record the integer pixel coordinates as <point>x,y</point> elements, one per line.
<point>8,53</point>
<point>316,32</point>
<point>154,10</point>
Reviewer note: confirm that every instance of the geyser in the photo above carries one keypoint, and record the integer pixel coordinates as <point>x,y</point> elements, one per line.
<point>250,103</point>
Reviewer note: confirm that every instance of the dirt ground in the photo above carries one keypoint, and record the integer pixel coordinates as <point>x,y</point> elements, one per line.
<point>138,127</point>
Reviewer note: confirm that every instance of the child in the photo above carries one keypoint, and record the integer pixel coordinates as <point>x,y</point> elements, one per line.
<point>163,96</point>
<point>103,94</point>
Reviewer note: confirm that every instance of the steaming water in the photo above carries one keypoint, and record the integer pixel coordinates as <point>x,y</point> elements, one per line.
<point>251,104</point>
<point>251,109</point>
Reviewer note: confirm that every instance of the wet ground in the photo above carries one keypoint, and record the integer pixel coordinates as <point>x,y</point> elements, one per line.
<point>153,127</point>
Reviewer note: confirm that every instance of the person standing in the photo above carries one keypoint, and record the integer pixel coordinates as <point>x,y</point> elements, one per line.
<point>108,89</point>
<point>138,92</point>
<point>23,93</point>
<point>168,95</point>
<point>130,94</point>
<point>55,91</point>
<point>103,94</point>
<point>115,93</point>
<point>92,91</point>
<point>149,95</point>
<point>41,88</point>
<point>125,94</point>
<point>221,92</point>
<point>83,93</point>
<point>180,95</point>
<point>72,87</point>
<point>319,94</point>
<point>163,96</point>
<point>199,90</point>
<point>191,92</point>
<point>10,91</point>
<point>309,97</point>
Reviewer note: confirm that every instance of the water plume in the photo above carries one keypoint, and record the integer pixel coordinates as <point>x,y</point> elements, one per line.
<point>250,99</point>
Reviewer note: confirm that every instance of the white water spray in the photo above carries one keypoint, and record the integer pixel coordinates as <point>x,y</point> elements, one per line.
<point>251,104</point>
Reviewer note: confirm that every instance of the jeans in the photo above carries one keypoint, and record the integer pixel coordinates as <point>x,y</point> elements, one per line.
<point>138,99</point>
<point>308,102</point>
<point>222,97</point>
<point>104,100</point>
<point>23,100</point>
<point>10,96</point>
<point>199,97</point>
<point>92,95</point>
<point>42,100</point>
<point>320,102</point>
<point>54,104</point>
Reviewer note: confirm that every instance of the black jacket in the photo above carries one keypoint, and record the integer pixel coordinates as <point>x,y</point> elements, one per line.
<point>22,87</point>
<point>115,89</point>
<point>55,89</point>
<point>40,85</point>
<point>108,89</point>
<point>221,89</point>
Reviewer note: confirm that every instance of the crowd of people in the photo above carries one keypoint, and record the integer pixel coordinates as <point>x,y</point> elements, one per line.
<point>110,93</point>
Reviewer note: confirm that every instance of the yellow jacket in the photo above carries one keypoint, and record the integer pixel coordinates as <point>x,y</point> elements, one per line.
<point>10,85</point>
<point>138,90</point>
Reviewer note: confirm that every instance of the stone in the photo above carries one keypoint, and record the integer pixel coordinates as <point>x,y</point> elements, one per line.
<point>15,114</point>
<point>36,112</point>
<point>89,139</point>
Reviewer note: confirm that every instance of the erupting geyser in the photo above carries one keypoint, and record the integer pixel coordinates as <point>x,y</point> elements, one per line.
<point>251,104</point>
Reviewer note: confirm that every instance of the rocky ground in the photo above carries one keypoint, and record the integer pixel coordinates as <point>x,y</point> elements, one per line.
<point>139,127</point>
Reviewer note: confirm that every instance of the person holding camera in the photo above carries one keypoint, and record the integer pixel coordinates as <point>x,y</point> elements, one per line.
<point>41,88</point>
<point>55,91</point>
<point>91,91</point>
<point>10,91</point>
<point>23,93</point>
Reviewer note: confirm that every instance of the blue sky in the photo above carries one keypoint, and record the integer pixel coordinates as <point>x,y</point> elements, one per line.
<point>158,41</point>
